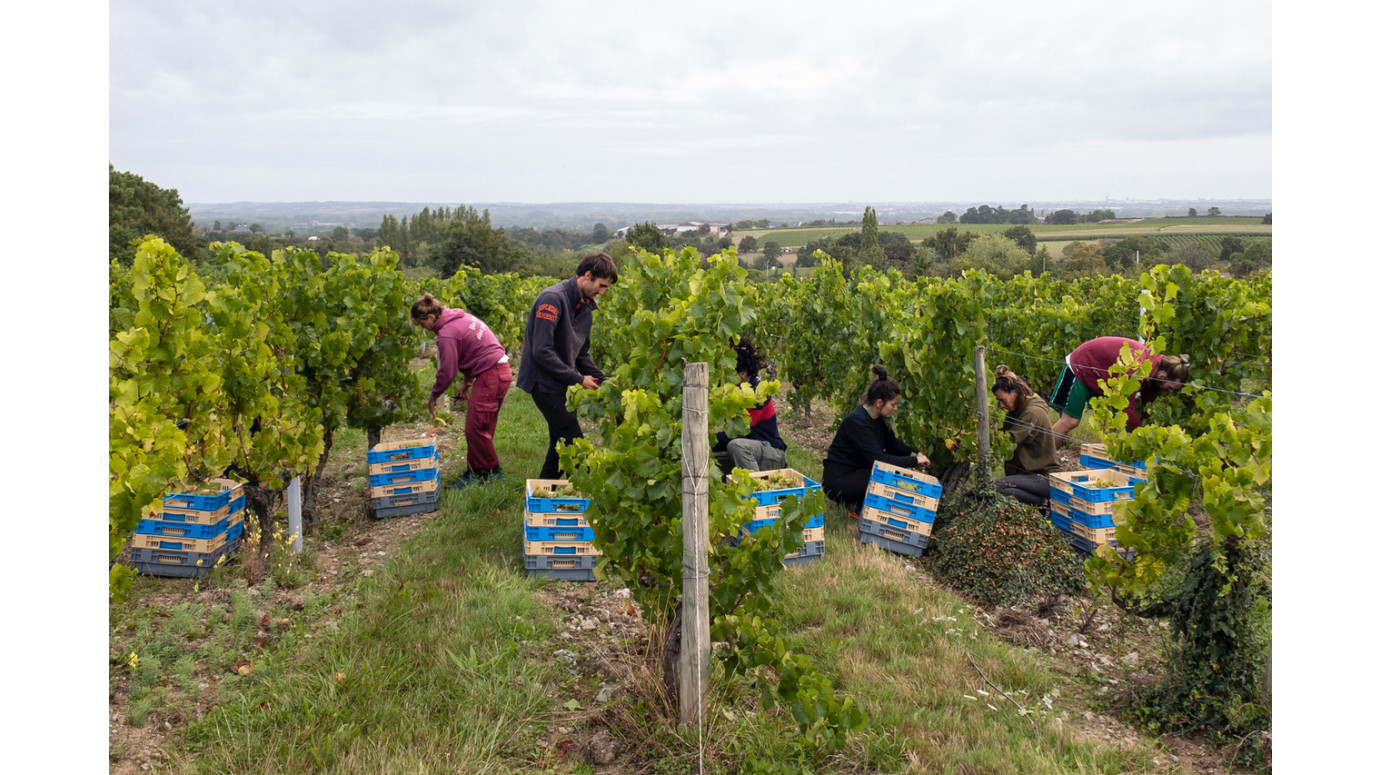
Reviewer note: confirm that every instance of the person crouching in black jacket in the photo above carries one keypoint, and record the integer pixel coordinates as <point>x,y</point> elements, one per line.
<point>863,438</point>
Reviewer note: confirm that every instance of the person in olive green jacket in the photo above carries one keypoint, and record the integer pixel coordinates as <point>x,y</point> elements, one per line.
<point>1027,421</point>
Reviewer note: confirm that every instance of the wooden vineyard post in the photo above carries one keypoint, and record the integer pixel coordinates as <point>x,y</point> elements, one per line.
<point>694,469</point>
<point>984,429</point>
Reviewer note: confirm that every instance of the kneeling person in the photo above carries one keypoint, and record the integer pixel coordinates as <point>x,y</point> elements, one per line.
<point>1027,421</point>
<point>762,449</point>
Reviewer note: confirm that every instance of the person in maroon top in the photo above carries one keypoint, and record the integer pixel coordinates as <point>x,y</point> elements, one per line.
<point>465,345</point>
<point>1092,361</point>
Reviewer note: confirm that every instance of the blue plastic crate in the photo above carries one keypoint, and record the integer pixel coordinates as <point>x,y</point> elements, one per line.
<point>1085,518</point>
<point>570,505</point>
<point>403,477</point>
<point>184,500</point>
<point>753,526</point>
<point>1088,461</point>
<point>1091,461</point>
<point>155,527</point>
<point>194,516</point>
<point>891,539</point>
<point>902,482</point>
<point>899,508</point>
<point>773,497</point>
<point>1091,520</point>
<point>1074,481</point>
<point>377,455</point>
<point>1060,521</point>
<point>531,533</point>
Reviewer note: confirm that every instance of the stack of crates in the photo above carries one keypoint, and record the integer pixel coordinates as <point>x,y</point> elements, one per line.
<point>1095,456</point>
<point>557,540</point>
<point>899,508</point>
<point>192,532</point>
<point>768,510</point>
<point>403,477</point>
<point>1081,505</point>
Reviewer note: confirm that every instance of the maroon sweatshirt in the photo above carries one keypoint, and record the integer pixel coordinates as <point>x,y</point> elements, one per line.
<point>1091,361</point>
<point>464,344</point>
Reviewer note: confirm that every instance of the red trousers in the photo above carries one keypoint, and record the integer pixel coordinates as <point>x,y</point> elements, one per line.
<point>481,416</point>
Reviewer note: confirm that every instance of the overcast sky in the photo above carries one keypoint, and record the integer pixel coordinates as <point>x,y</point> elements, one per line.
<point>534,101</point>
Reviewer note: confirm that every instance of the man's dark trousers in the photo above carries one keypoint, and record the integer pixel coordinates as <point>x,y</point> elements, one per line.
<point>561,424</point>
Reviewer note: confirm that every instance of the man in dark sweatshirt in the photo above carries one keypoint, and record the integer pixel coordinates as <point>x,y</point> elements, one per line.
<point>555,349</point>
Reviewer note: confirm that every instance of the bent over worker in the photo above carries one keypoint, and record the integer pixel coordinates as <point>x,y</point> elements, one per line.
<point>464,344</point>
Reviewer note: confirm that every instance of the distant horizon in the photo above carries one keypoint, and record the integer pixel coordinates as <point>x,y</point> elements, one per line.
<point>778,203</point>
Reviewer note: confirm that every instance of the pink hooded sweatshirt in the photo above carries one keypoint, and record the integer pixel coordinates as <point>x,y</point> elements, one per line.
<point>465,344</point>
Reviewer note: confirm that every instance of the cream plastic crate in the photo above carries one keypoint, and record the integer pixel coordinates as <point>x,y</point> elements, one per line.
<point>560,548</point>
<point>405,488</point>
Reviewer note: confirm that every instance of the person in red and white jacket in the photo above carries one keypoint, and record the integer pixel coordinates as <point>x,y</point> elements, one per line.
<point>466,345</point>
<point>762,449</point>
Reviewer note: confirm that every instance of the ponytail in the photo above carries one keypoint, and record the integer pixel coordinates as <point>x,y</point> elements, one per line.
<point>883,388</point>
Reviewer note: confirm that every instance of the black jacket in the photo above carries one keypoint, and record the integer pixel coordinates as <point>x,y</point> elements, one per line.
<point>862,440</point>
<point>555,347</point>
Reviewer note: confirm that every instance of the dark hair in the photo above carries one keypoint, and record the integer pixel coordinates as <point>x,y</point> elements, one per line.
<point>883,388</point>
<point>599,265</point>
<point>1008,381</point>
<point>748,362</point>
<point>426,305</point>
<point>1175,368</point>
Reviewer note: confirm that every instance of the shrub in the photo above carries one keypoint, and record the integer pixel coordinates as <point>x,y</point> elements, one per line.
<point>1215,681</point>
<point>1001,551</point>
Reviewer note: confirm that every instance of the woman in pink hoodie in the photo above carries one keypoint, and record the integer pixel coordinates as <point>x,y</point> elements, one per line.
<point>465,345</point>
